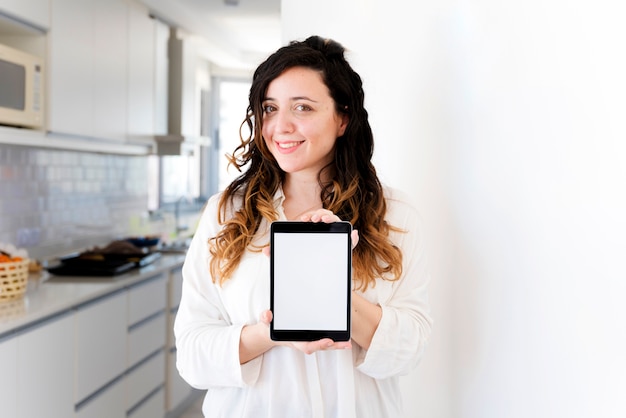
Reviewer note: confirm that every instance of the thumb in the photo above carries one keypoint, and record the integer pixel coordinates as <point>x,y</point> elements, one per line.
<point>266,317</point>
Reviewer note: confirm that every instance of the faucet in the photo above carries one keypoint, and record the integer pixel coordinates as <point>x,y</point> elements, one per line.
<point>179,228</point>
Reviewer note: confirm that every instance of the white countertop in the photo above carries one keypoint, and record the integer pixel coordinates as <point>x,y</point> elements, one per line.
<point>50,295</point>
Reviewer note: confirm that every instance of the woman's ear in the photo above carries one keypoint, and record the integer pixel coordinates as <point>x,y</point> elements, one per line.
<point>343,125</point>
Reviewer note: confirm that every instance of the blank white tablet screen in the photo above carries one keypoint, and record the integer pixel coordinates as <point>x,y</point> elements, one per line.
<point>310,281</point>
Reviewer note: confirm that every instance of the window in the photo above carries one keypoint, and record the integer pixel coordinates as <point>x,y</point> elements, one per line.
<point>184,182</point>
<point>231,97</point>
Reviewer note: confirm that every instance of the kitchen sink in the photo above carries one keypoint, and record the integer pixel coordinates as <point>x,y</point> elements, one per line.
<point>175,247</point>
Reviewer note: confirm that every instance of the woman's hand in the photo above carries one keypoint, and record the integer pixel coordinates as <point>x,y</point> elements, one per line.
<point>255,340</point>
<point>308,347</point>
<point>326,216</point>
<point>321,215</point>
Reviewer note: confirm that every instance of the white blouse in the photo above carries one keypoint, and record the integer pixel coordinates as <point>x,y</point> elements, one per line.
<point>284,382</point>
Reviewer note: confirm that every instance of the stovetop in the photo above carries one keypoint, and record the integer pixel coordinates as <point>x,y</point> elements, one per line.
<point>109,264</point>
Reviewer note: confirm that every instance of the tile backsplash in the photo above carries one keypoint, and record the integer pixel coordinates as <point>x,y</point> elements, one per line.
<point>56,201</point>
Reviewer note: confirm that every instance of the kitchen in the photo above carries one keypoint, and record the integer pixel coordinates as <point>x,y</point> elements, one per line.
<point>119,149</point>
<point>505,122</point>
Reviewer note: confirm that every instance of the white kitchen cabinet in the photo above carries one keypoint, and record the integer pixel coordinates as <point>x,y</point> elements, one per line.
<point>161,77</point>
<point>146,381</point>
<point>110,68</point>
<point>45,360</point>
<point>177,390</point>
<point>33,12</point>
<point>107,403</point>
<point>100,345</point>
<point>147,73</point>
<point>8,382</point>
<point>87,67</point>
<point>146,338</point>
<point>147,298</point>
<point>70,67</point>
<point>174,295</point>
<point>146,323</point>
<point>152,407</point>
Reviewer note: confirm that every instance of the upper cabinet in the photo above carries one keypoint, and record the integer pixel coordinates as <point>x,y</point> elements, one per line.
<point>34,13</point>
<point>147,73</point>
<point>87,68</point>
<point>106,72</point>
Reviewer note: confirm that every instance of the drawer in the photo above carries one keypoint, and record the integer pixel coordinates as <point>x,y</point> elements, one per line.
<point>101,333</point>
<point>176,287</point>
<point>109,403</point>
<point>147,298</point>
<point>146,337</point>
<point>145,378</point>
<point>177,389</point>
<point>152,407</point>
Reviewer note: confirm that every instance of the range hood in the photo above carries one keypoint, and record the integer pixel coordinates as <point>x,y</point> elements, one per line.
<point>186,82</point>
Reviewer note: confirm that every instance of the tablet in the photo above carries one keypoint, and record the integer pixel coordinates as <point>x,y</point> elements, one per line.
<point>310,280</point>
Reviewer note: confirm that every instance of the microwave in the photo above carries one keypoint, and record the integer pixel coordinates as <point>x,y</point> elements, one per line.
<point>21,89</point>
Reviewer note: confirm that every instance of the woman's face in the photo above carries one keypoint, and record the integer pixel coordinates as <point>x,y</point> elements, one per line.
<point>300,124</point>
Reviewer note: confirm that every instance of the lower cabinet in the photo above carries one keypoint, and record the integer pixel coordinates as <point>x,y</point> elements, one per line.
<point>145,377</point>
<point>120,357</point>
<point>8,381</point>
<point>107,403</point>
<point>153,407</point>
<point>100,347</point>
<point>44,365</point>
<point>177,390</point>
<point>37,364</point>
<point>107,358</point>
<point>144,383</point>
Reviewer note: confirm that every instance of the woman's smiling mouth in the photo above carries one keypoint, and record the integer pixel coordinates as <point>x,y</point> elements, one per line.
<point>288,145</point>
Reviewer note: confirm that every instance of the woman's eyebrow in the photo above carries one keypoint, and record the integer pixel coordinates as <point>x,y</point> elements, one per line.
<point>294,98</point>
<point>303,98</point>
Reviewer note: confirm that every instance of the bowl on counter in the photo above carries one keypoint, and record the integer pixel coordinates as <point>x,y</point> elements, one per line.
<point>144,242</point>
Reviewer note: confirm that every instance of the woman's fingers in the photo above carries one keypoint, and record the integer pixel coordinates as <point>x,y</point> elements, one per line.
<point>310,347</point>
<point>320,215</point>
<point>355,237</point>
<point>266,317</point>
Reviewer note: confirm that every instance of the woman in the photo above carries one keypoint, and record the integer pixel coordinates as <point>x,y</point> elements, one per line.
<point>308,158</point>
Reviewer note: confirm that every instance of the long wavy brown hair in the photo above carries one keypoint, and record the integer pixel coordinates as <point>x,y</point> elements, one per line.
<point>354,193</point>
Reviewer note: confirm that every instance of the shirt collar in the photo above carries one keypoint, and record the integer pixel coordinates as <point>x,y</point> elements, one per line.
<point>279,197</point>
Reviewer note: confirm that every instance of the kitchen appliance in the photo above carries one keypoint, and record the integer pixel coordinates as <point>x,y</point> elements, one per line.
<point>116,258</point>
<point>21,89</point>
<point>109,265</point>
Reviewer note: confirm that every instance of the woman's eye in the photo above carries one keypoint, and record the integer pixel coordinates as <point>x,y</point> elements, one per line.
<point>303,108</point>
<point>268,108</point>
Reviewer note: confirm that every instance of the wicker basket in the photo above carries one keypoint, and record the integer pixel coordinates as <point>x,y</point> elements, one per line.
<point>13,279</point>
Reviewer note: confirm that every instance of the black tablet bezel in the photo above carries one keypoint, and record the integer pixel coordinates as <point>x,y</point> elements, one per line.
<point>311,227</point>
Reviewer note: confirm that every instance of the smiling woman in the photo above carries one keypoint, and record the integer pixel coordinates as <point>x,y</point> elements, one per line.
<point>305,155</point>
<point>300,124</point>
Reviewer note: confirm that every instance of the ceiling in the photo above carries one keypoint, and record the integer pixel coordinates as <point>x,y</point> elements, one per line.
<point>235,36</point>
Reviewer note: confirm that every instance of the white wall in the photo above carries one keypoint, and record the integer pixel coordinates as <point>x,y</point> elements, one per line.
<point>507,124</point>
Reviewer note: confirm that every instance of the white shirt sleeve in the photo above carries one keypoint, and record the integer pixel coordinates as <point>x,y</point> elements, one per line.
<point>207,341</point>
<point>405,326</point>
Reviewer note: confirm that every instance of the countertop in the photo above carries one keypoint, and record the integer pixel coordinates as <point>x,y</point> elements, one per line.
<point>49,295</point>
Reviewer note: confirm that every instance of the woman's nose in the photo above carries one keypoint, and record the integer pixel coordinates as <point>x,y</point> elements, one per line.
<point>283,120</point>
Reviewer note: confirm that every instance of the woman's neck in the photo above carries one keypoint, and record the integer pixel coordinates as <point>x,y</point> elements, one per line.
<point>302,195</point>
